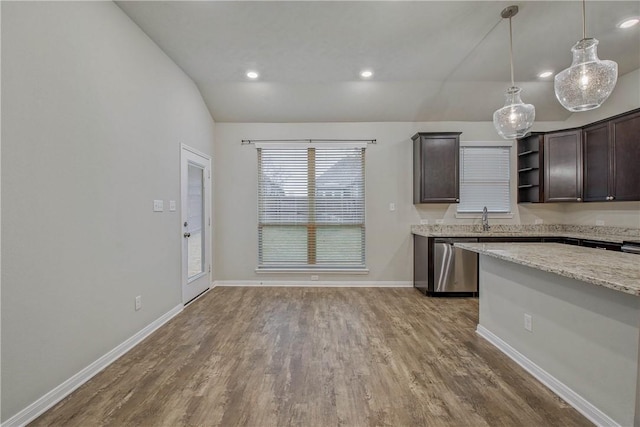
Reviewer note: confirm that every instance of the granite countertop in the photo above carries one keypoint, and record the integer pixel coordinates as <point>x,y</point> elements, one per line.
<point>601,233</point>
<point>614,270</point>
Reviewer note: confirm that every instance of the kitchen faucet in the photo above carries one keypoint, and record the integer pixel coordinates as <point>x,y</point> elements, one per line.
<point>485,219</point>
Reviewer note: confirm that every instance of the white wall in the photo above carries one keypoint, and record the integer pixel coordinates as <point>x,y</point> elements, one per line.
<point>388,179</point>
<point>93,115</point>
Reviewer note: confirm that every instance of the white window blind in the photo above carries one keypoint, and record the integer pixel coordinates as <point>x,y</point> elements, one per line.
<point>484,179</point>
<point>311,207</point>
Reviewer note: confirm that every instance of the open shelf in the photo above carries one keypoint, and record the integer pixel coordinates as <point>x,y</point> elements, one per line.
<point>524,153</point>
<point>530,155</point>
<point>527,169</point>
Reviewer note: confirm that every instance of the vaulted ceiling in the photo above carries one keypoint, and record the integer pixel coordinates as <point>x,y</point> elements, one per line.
<point>432,60</point>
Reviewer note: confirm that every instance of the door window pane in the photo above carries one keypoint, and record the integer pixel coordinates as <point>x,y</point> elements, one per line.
<point>195,220</point>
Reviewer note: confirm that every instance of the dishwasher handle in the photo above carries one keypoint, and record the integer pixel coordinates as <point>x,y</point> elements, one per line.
<point>632,249</point>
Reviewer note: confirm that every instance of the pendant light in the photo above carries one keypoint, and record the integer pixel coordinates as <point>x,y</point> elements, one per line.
<point>516,118</point>
<point>589,81</point>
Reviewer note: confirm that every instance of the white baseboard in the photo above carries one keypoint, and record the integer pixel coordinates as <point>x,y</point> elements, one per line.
<point>317,283</point>
<point>583,406</point>
<point>38,407</point>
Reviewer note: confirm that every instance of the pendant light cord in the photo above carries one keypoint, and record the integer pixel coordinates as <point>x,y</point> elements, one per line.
<point>511,51</point>
<point>584,20</point>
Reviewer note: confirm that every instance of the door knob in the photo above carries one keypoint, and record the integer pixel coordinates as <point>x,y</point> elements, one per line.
<point>187,235</point>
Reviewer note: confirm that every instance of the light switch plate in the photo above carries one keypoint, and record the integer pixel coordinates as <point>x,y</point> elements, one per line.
<point>392,206</point>
<point>158,205</point>
<point>424,221</point>
<point>528,322</point>
<point>172,205</point>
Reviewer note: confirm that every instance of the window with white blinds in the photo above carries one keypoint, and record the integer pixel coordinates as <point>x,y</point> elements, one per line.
<point>311,207</point>
<point>484,179</point>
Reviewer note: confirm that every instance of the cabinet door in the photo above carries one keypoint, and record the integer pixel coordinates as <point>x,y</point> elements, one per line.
<point>421,263</point>
<point>626,157</point>
<point>563,166</point>
<point>597,163</point>
<point>609,246</point>
<point>439,177</point>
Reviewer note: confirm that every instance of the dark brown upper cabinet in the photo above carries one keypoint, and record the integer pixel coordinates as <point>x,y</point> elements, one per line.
<point>611,152</point>
<point>596,148</point>
<point>563,166</point>
<point>625,156</point>
<point>597,162</point>
<point>436,158</point>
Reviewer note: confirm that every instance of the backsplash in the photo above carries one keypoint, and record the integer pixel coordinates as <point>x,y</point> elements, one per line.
<point>528,228</point>
<point>597,229</point>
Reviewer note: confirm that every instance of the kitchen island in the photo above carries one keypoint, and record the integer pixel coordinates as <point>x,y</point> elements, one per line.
<point>571,317</point>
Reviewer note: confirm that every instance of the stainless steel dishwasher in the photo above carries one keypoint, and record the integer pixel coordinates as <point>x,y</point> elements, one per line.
<point>455,270</point>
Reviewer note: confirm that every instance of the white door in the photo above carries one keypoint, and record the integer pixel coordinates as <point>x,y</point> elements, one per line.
<point>196,222</point>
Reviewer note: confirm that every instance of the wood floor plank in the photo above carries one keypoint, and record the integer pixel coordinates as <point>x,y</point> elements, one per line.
<point>315,357</point>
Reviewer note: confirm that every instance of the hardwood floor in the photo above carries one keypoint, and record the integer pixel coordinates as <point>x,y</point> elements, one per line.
<point>315,357</point>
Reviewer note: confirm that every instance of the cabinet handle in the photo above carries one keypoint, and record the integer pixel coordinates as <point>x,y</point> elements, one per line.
<point>579,199</point>
<point>611,197</point>
<point>457,200</point>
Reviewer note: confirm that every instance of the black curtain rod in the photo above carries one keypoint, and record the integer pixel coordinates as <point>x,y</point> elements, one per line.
<point>251,141</point>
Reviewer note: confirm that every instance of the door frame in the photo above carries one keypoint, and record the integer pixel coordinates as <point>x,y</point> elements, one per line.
<point>191,155</point>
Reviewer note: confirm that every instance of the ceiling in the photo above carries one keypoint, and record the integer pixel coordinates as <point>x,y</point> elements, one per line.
<point>432,60</point>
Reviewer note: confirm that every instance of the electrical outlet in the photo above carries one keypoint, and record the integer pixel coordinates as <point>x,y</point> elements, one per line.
<point>172,205</point>
<point>138,302</point>
<point>599,222</point>
<point>424,221</point>
<point>392,206</point>
<point>538,221</point>
<point>158,205</point>
<point>314,277</point>
<point>439,221</point>
<point>528,322</point>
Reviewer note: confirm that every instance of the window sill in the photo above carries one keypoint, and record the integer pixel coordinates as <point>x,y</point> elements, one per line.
<point>279,270</point>
<point>473,215</point>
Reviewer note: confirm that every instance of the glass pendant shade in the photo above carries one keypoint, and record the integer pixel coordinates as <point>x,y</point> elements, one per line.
<point>516,118</point>
<point>589,81</point>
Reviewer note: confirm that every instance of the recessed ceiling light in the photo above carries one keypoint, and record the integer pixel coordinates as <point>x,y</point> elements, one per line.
<point>366,74</point>
<point>627,23</point>
<point>545,74</point>
<point>252,74</point>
